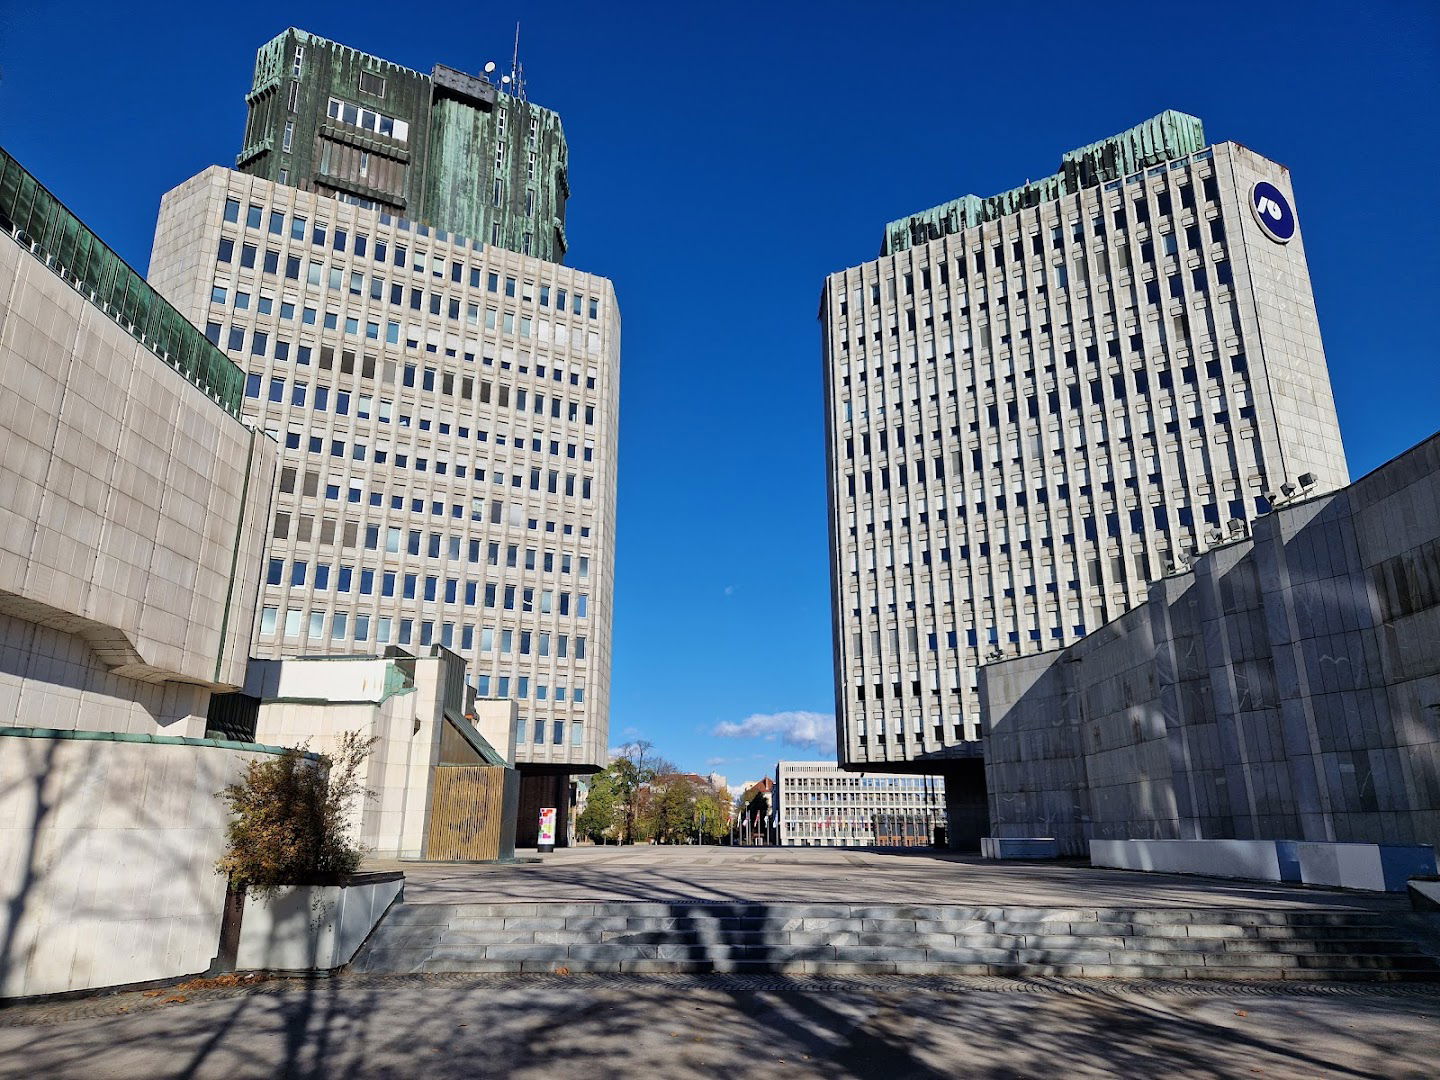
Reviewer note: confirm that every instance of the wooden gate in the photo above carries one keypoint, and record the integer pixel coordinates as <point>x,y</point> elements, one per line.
<point>467,812</point>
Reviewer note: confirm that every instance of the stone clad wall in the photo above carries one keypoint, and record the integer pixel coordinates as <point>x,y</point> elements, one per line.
<point>132,520</point>
<point>1284,688</point>
<point>107,857</point>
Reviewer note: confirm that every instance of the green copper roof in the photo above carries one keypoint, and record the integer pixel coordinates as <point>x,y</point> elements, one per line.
<point>1165,137</point>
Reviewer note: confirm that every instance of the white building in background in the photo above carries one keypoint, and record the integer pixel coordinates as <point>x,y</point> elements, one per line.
<point>1039,402</point>
<point>446,414</point>
<point>818,804</point>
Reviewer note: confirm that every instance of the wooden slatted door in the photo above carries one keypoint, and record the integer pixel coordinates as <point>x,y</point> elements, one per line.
<point>467,805</point>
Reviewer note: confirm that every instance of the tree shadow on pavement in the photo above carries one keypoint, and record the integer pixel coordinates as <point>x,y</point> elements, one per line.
<point>603,1027</point>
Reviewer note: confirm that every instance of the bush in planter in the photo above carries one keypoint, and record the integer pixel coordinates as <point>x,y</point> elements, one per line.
<point>289,818</point>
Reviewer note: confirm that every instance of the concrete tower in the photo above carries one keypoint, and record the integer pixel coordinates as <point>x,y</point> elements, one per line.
<point>1038,402</point>
<point>445,405</point>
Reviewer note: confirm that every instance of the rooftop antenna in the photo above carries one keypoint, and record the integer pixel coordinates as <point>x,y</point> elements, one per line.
<point>516,79</point>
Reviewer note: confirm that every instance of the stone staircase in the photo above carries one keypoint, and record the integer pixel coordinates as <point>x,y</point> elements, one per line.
<point>871,939</point>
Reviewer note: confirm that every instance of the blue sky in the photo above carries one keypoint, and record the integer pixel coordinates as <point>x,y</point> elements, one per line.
<point>724,159</point>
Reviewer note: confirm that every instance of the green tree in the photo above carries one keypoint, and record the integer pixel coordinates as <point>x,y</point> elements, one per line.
<point>601,808</point>
<point>673,810</point>
<point>711,818</point>
<point>631,772</point>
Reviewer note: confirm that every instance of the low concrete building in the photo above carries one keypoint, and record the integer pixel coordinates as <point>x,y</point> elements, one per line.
<point>817,804</point>
<point>441,774</point>
<point>1285,686</point>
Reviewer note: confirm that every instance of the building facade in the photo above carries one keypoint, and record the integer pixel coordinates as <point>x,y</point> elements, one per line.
<point>133,507</point>
<point>135,493</point>
<point>1282,688</point>
<point>818,804</point>
<point>1037,403</point>
<point>446,418</point>
<point>448,149</point>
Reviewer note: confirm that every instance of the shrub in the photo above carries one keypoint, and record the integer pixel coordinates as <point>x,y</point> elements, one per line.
<point>289,817</point>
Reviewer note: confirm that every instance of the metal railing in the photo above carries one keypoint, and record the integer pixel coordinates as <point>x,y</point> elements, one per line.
<point>48,230</point>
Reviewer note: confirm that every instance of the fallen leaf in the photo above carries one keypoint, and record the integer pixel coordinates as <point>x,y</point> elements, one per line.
<point>176,1000</point>
<point>1241,1012</point>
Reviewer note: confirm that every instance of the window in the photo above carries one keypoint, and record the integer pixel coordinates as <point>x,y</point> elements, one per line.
<point>288,139</point>
<point>355,116</point>
<point>370,83</point>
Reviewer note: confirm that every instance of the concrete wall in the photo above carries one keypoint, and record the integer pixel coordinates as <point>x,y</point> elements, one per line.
<point>132,519</point>
<point>405,702</point>
<point>107,858</point>
<point>1284,688</point>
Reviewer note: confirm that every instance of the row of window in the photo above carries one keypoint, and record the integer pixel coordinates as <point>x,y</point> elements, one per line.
<point>554,728</point>
<point>959,298</point>
<point>354,283</point>
<point>368,119</point>
<point>309,624</point>
<point>347,533</point>
<point>555,298</point>
<point>433,588</point>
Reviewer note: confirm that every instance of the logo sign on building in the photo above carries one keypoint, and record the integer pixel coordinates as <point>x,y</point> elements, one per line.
<point>546,841</point>
<point>1273,211</point>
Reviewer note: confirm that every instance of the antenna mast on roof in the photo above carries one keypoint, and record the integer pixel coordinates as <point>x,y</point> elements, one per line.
<point>517,69</point>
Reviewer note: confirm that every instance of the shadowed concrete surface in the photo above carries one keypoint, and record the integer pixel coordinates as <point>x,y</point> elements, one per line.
<point>679,1027</point>
<point>836,875</point>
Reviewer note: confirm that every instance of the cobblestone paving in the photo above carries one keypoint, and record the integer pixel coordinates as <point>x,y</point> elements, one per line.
<point>535,1026</point>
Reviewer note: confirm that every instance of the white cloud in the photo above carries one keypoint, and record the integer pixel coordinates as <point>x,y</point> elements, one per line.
<point>797,728</point>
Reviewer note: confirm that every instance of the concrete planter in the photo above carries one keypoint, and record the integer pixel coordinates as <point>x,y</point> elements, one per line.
<point>1376,867</point>
<point>315,927</point>
<point>1424,894</point>
<point>1019,847</point>
<point>1263,860</point>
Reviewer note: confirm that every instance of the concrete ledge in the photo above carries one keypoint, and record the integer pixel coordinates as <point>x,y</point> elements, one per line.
<point>69,735</point>
<point>304,928</point>
<point>1263,860</point>
<point>1019,847</point>
<point>1375,867</point>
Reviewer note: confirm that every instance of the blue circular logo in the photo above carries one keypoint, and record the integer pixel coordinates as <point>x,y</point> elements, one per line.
<point>1272,211</point>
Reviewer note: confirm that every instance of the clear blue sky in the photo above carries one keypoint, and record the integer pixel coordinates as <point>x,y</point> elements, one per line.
<point>724,159</point>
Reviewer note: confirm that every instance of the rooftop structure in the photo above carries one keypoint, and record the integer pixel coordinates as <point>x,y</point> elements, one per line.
<point>447,149</point>
<point>1168,137</point>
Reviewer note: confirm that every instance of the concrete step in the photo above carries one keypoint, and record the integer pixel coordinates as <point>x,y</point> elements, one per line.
<point>869,938</point>
<point>468,936</point>
<point>893,912</point>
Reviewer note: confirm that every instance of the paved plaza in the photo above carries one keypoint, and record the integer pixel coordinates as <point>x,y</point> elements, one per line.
<point>838,875</point>
<point>676,1026</point>
<point>679,1027</point>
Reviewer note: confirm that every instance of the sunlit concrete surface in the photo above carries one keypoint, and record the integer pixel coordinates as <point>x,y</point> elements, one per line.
<point>601,1027</point>
<point>646,872</point>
